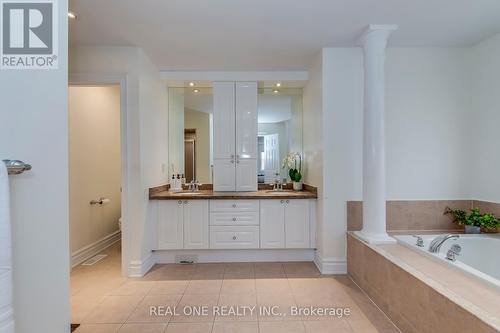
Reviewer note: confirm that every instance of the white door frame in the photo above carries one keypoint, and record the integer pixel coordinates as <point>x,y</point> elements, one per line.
<point>92,79</point>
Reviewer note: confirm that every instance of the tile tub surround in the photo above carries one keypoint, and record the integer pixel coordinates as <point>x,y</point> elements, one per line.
<point>103,301</point>
<point>419,294</point>
<point>206,192</point>
<point>421,215</point>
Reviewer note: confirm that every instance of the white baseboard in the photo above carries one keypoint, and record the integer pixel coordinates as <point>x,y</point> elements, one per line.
<point>138,268</point>
<point>91,250</point>
<point>330,265</point>
<point>257,255</point>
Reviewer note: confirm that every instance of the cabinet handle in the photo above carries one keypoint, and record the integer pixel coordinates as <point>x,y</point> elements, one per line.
<point>282,201</point>
<point>185,202</point>
<point>232,161</point>
<point>234,218</point>
<point>234,237</point>
<point>237,161</point>
<point>288,201</point>
<point>234,205</point>
<point>179,202</point>
<point>232,156</point>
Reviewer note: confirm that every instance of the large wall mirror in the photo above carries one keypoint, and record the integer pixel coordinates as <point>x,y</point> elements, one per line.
<point>190,131</point>
<point>279,130</point>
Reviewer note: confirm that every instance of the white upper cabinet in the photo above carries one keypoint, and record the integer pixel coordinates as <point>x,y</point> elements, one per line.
<point>224,120</point>
<point>246,175</point>
<point>224,175</point>
<point>246,120</point>
<point>235,136</point>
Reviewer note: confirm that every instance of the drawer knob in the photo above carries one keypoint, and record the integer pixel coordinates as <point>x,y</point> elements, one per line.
<point>179,202</point>
<point>185,202</point>
<point>234,205</point>
<point>234,237</point>
<point>282,201</point>
<point>288,201</point>
<point>234,218</point>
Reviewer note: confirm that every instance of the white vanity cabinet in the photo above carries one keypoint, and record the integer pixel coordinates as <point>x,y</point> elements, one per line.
<point>285,223</point>
<point>235,136</point>
<point>235,224</point>
<point>182,224</point>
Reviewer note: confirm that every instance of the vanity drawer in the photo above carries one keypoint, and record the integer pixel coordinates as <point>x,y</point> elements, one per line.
<point>234,218</point>
<point>234,205</point>
<point>231,237</point>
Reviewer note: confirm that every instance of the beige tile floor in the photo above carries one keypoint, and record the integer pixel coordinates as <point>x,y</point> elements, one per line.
<point>104,302</point>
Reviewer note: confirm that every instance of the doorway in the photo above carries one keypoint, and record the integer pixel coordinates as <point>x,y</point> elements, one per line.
<point>190,154</point>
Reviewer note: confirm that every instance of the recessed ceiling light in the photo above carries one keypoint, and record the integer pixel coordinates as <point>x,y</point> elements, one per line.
<point>191,84</point>
<point>278,84</point>
<point>276,91</point>
<point>72,15</point>
<point>196,91</point>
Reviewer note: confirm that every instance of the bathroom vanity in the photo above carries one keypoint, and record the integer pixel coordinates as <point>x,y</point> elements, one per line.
<point>232,137</point>
<point>234,220</point>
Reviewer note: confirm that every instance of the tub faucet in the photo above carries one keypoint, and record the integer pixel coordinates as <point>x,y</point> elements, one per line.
<point>453,252</point>
<point>436,243</point>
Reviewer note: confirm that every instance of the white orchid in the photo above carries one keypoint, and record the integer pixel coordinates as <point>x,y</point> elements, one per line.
<point>290,163</point>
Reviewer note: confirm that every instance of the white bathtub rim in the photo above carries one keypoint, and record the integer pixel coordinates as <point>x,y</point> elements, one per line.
<point>457,265</point>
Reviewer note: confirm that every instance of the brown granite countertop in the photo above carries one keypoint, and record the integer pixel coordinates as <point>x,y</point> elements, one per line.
<point>206,192</point>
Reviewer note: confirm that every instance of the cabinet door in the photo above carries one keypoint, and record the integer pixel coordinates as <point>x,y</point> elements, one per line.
<point>246,175</point>
<point>224,175</point>
<point>196,224</point>
<point>297,224</point>
<point>170,217</point>
<point>272,224</point>
<point>224,120</point>
<point>246,120</point>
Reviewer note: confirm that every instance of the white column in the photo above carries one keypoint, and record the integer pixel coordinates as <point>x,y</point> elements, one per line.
<point>374,42</point>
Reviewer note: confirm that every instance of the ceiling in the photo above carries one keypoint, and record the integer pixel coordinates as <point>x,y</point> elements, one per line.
<point>272,34</point>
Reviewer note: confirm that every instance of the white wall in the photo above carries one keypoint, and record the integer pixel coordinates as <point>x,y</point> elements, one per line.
<point>146,140</point>
<point>428,103</point>
<point>95,163</point>
<point>484,132</point>
<point>34,128</point>
<point>428,113</point>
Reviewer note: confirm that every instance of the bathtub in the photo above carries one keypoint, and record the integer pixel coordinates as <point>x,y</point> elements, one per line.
<point>480,255</point>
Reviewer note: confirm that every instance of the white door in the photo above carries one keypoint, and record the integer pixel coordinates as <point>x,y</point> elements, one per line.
<point>246,175</point>
<point>224,175</point>
<point>246,120</point>
<point>297,224</point>
<point>196,224</point>
<point>224,120</point>
<point>272,224</point>
<point>272,163</point>
<point>170,224</point>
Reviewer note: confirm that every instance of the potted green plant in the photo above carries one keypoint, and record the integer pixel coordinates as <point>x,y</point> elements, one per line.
<point>293,161</point>
<point>475,221</point>
<point>489,223</point>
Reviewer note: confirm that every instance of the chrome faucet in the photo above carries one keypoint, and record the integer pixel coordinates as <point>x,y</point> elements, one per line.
<point>278,183</point>
<point>194,186</point>
<point>437,242</point>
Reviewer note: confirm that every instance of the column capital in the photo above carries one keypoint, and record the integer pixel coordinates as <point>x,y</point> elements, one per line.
<point>379,31</point>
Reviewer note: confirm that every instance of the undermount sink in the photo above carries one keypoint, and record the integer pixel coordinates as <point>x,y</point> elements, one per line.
<point>279,192</point>
<point>187,192</point>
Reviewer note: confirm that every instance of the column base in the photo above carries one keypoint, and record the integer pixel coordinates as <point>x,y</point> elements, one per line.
<point>371,238</point>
